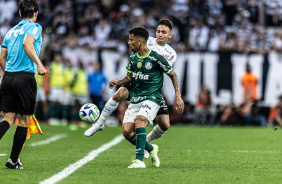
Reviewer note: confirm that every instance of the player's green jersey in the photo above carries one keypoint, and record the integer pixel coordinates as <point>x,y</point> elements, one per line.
<point>147,76</point>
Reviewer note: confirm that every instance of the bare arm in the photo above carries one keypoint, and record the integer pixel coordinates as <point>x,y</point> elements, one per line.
<point>3,57</point>
<point>30,51</point>
<point>125,81</point>
<point>178,101</point>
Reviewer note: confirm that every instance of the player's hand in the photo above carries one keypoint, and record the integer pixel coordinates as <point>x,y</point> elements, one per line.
<point>41,70</point>
<point>112,83</point>
<point>179,104</point>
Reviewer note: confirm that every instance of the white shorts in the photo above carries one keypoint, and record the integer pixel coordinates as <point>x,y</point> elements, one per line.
<point>41,96</point>
<point>56,95</point>
<point>68,98</point>
<point>82,99</point>
<point>147,108</point>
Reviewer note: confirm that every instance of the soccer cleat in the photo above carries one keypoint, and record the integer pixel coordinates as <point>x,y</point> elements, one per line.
<point>11,165</point>
<point>146,154</point>
<point>154,156</point>
<point>92,130</point>
<point>137,164</point>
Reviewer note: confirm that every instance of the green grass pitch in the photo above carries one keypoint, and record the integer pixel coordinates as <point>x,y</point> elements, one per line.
<point>188,154</point>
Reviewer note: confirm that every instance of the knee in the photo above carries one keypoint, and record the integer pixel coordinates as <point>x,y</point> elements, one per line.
<point>140,121</point>
<point>127,133</point>
<point>117,97</point>
<point>164,126</point>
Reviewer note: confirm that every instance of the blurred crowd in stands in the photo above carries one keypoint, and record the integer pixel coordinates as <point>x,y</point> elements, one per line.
<point>246,26</point>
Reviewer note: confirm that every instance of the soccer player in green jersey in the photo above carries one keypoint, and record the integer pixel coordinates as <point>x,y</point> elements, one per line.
<point>158,44</point>
<point>145,74</point>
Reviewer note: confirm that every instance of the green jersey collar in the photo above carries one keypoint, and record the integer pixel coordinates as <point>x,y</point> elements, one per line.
<point>142,57</point>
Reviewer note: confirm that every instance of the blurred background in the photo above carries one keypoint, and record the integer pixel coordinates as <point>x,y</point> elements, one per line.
<point>228,57</point>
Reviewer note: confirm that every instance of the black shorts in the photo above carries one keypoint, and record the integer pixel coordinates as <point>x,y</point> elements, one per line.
<point>18,93</point>
<point>163,108</point>
<point>128,89</point>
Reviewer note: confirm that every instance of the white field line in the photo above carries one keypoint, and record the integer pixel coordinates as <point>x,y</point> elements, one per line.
<point>48,141</point>
<point>1,155</point>
<point>238,151</point>
<point>73,167</point>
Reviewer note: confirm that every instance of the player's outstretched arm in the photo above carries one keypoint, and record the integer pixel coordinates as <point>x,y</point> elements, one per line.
<point>125,81</point>
<point>178,101</point>
<point>30,51</point>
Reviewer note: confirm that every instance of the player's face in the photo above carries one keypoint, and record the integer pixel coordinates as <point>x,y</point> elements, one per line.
<point>133,43</point>
<point>163,34</point>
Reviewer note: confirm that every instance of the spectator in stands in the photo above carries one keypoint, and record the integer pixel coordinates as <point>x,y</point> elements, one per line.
<point>231,116</point>
<point>243,37</point>
<point>5,28</point>
<point>229,43</point>
<point>277,16</point>
<point>270,6</point>
<point>199,36</point>
<point>251,113</point>
<point>275,115</point>
<point>216,36</point>
<point>253,8</point>
<point>277,44</point>
<point>230,10</point>
<point>215,14</point>
<point>259,44</point>
<point>97,83</point>
<point>203,111</point>
<point>8,9</point>
<point>84,38</point>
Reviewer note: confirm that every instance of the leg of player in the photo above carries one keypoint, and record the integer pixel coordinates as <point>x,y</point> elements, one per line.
<point>19,138</point>
<point>7,122</point>
<point>139,139</point>
<point>111,105</point>
<point>128,131</point>
<point>160,129</point>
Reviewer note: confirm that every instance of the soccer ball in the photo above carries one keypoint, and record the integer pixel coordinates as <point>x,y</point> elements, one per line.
<point>89,113</point>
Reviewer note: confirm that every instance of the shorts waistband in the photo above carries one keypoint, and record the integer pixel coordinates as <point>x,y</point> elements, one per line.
<point>19,73</point>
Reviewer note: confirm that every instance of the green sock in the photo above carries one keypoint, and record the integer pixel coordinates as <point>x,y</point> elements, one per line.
<point>140,143</point>
<point>132,140</point>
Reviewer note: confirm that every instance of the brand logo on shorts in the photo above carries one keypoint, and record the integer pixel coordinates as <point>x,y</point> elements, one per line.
<point>146,106</point>
<point>148,65</point>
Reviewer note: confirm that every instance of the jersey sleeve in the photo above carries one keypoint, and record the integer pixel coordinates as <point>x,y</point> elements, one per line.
<point>129,66</point>
<point>171,60</point>
<point>164,65</point>
<point>5,42</point>
<point>35,31</point>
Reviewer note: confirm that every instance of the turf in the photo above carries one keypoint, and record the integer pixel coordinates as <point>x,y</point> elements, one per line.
<point>188,154</point>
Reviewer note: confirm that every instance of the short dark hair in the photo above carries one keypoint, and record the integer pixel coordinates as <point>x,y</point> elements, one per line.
<point>28,8</point>
<point>166,22</point>
<point>140,31</point>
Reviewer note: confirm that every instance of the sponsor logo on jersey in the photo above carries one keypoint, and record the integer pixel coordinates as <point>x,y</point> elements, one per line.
<point>139,65</point>
<point>162,65</point>
<point>129,65</point>
<point>152,58</point>
<point>170,59</point>
<point>167,51</point>
<point>148,65</point>
<point>16,32</point>
<point>140,75</point>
